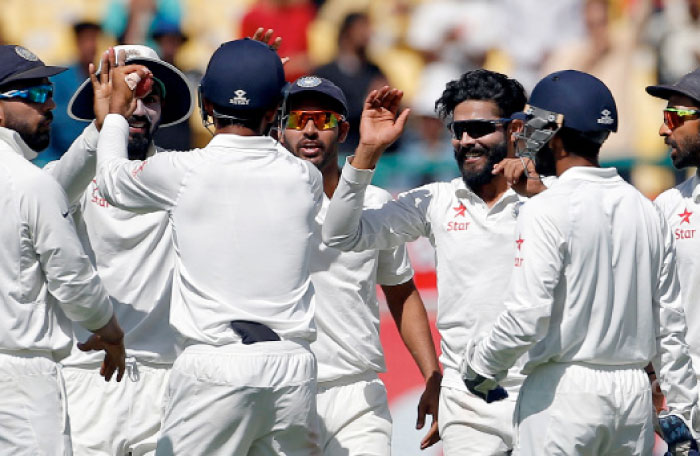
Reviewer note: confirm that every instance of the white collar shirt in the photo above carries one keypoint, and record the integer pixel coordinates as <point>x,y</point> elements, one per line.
<point>46,279</point>
<point>474,250</point>
<point>347,310</point>
<point>595,283</point>
<point>242,212</point>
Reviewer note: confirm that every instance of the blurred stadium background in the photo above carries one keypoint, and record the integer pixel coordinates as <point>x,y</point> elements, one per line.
<point>415,45</point>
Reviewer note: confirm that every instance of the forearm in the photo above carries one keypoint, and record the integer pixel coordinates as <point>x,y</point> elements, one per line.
<point>408,312</point>
<point>76,168</point>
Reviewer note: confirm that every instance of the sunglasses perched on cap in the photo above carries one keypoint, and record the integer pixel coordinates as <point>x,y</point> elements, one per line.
<point>674,118</point>
<point>324,120</point>
<point>475,128</point>
<point>36,94</point>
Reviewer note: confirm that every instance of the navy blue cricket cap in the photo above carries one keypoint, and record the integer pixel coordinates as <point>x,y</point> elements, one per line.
<point>584,100</point>
<point>244,76</point>
<point>18,63</point>
<point>319,86</point>
<point>688,85</point>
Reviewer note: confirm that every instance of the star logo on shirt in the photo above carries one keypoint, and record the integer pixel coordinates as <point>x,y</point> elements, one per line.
<point>461,210</point>
<point>685,216</point>
<point>519,241</point>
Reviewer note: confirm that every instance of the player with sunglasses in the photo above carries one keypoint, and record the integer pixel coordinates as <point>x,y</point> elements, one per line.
<point>471,224</point>
<point>681,204</point>
<point>352,401</point>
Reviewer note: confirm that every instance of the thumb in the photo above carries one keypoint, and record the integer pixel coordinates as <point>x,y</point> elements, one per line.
<point>401,120</point>
<point>93,343</point>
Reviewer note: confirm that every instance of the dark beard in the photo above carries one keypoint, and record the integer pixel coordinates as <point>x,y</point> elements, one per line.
<point>544,162</point>
<point>139,144</point>
<point>687,152</point>
<point>37,140</point>
<point>476,180</point>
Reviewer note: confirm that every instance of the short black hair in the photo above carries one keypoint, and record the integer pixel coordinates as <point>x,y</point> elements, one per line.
<point>579,143</point>
<point>249,119</point>
<point>486,85</point>
<point>82,26</point>
<point>349,21</point>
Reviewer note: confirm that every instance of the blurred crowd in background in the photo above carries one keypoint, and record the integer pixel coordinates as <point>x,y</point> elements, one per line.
<point>415,45</point>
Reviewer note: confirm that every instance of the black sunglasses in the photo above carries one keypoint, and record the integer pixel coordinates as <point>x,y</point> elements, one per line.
<point>475,128</point>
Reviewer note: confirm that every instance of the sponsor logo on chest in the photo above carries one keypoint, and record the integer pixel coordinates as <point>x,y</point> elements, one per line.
<point>96,197</point>
<point>518,259</point>
<point>459,216</point>
<point>683,230</point>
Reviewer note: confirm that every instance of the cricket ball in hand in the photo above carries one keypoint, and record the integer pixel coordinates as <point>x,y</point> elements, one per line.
<point>144,87</point>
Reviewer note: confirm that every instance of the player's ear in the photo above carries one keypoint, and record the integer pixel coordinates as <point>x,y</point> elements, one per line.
<point>557,146</point>
<point>514,127</point>
<point>343,129</point>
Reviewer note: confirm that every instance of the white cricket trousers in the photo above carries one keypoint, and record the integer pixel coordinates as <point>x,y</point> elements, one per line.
<point>116,419</point>
<point>354,418</point>
<point>242,400</point>
<point>470,426</point>
<point>33,417</point>
<point>584,410</point>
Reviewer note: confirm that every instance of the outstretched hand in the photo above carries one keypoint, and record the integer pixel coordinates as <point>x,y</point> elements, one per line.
<point>122,100</point>
<point>102,86</point>
<point>264,36</point>
<point>428,405</point>
<point>380,125</point>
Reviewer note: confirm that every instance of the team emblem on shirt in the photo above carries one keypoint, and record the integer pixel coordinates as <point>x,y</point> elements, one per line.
<point>519,260</point>
<point>684,233</point>
<point>460,211</point>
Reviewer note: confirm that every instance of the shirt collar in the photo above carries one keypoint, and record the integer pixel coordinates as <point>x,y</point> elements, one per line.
<point>463,191</point>
<point>696,187</point>
<point>17,144</point>
<point>242,142</point>
<point>589,173</point>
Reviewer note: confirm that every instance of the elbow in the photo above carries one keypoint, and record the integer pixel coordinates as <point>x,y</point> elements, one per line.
<point>336,240</point>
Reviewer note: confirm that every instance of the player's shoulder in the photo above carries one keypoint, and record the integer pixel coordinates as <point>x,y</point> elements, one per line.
<point>304,168</point>
<point>678,193</point>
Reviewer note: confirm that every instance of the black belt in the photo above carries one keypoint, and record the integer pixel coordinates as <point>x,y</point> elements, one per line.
<point>252,332</point>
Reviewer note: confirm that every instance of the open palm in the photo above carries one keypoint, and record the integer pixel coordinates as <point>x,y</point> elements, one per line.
<point>379,125</point>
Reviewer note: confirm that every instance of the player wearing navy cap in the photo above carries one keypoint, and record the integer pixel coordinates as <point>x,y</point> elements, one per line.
<point>46,280</point>
<point>680,205</point>
<point>352,401</point>
<point>594,294</point>
<point>242,211</point>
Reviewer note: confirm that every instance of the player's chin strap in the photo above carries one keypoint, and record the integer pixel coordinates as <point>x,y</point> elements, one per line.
<point>539,127</point>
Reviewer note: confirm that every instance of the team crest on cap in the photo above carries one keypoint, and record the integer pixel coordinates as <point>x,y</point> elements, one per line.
<point>309,81</point>
<point>26,54</point>
<point>239,99</point>
<point>605,117</point>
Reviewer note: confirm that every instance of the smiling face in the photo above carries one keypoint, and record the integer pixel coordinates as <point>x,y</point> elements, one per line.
<point>476,156</point>
<point>683,140</point>
<point>311,143</point>
<point>31,120</point>
<point>143,123</point>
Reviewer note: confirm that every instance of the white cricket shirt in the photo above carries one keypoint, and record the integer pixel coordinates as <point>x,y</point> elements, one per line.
<point>681,207</point>
<point>46,279</point>
<point>347,311</point>
<point>595,283</point>
<point>473,243</point>
<point>242,211</point>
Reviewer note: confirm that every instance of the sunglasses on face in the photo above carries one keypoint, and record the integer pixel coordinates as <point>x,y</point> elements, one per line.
<point>674,118</point>
<point>324,120</point>
<point>36,94</point>
<point>475,128</point>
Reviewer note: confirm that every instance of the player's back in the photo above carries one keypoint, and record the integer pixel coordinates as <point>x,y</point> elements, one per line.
<point>242,228</point>
<point>611,243</point>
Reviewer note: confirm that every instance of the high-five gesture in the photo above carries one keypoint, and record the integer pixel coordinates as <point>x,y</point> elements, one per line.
<point>380,126</point>
<point>124,80</point>
<point>102,86</point>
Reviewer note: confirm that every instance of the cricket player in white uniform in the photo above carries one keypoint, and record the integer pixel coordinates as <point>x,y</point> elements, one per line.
<point>46,280</point>
<point>134,256</point>
<point>681,205</point>
<point>594,295</point>
<point>469,221</point>
<point>352,404</point>
<point>242,212</point>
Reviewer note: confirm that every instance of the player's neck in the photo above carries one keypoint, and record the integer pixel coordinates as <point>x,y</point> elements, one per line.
<point>571,160</point>
<point>492,192</point>
<point>331,177</point>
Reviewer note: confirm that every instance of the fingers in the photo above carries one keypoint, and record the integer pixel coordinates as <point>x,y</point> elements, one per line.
<point>93,343</point>
<point>258,34</point>
<point>268,35</point>
<point>422,410</point>
<point>432,437</point>
<point>276,45</point>
<point>105,67</point>
<point>401,121</point>
<point>284,60</point>
<point>120,59</point>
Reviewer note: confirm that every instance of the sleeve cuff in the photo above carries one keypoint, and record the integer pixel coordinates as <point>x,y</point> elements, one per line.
<point>356,176</point>
<point>100,318</point>
<point>116,121</point>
